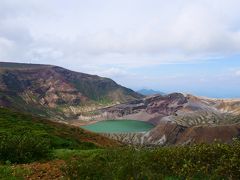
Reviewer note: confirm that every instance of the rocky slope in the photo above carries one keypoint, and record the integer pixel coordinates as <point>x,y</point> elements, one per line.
<point>60,94</point>
<point>178,119</point>
<point>56,92</point>
<point>184,110</point>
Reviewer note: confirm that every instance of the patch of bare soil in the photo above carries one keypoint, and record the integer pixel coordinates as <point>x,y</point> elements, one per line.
<point>44,171</point>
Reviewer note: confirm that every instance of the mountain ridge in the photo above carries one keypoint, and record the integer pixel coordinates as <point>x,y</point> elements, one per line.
<point>46,90</point>
<point>79,98</point>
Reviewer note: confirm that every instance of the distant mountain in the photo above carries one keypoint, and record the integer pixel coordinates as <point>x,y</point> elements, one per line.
<point>147,92</point>
<point>52,91</point>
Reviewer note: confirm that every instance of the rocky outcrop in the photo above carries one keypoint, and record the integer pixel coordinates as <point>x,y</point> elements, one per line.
<point>163,134</point>
<point>156,104</point>
<point>209,134</point>
<point>179,119</point>
<point>166,134</point>
<point>184,110</point>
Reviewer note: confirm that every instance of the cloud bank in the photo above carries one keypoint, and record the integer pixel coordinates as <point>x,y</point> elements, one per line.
<point>125,33</point>
<point>131,41</point>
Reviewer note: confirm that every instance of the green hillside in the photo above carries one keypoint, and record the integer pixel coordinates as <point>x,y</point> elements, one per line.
<point>17,128</point>
<point>55,151</point>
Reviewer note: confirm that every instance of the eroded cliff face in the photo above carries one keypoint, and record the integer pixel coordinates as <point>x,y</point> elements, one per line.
<point>178,119</point>
<point>151,108</point>
<point>57,92</point>
<point>43,86</point>
<point>61,94</point>
<point>184,110</point>
<point>165,134</point>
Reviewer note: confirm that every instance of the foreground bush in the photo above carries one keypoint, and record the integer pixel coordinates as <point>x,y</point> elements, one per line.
<point>61,136</point>
<point>9,173</point>
<point>23,147</point>
<point>216,161</point>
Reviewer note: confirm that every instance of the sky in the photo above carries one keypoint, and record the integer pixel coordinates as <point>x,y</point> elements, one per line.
<point>190,46</point>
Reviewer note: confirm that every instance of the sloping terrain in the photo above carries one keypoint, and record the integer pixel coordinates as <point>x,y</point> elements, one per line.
<point>60,135</point>
<point>60,94</point>
<point>55,92</point>
<point>203,161</point>
<point>185,110</point>
<point>62,141</point>
<point>178,119</point>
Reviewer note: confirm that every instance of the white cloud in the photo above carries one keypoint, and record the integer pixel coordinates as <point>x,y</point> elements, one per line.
<point>113,72</point>
<point>6,47</point>
<point>237,73</point>
<point>38,54</point>
<point>119,33</point>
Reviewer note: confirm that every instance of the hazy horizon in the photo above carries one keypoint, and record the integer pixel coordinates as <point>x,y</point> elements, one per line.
<point>171,46</point>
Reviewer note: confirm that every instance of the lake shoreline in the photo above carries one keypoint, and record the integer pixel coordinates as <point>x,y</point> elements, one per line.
<point>118,126</point>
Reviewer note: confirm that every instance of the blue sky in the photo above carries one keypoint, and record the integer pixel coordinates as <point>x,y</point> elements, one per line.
<point>172,46</point>
<point>218,78</point>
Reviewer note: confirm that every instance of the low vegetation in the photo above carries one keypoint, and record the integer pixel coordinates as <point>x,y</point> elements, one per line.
<point>77,154</point>
<point>23,147</point>
<point>215,161</point>
<point>9,173</point>
<point>26,139</point>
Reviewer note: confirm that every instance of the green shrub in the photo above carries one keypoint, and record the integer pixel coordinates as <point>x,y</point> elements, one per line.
<point>204,161</point>
<point>60,135</point>
<point>23,147</point>
<point>9,173</point>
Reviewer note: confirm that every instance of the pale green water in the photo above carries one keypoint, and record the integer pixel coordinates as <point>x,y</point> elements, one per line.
<point>119,126</point>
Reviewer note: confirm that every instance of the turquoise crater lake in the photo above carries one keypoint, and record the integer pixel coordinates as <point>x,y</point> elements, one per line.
<point>119,126</point>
